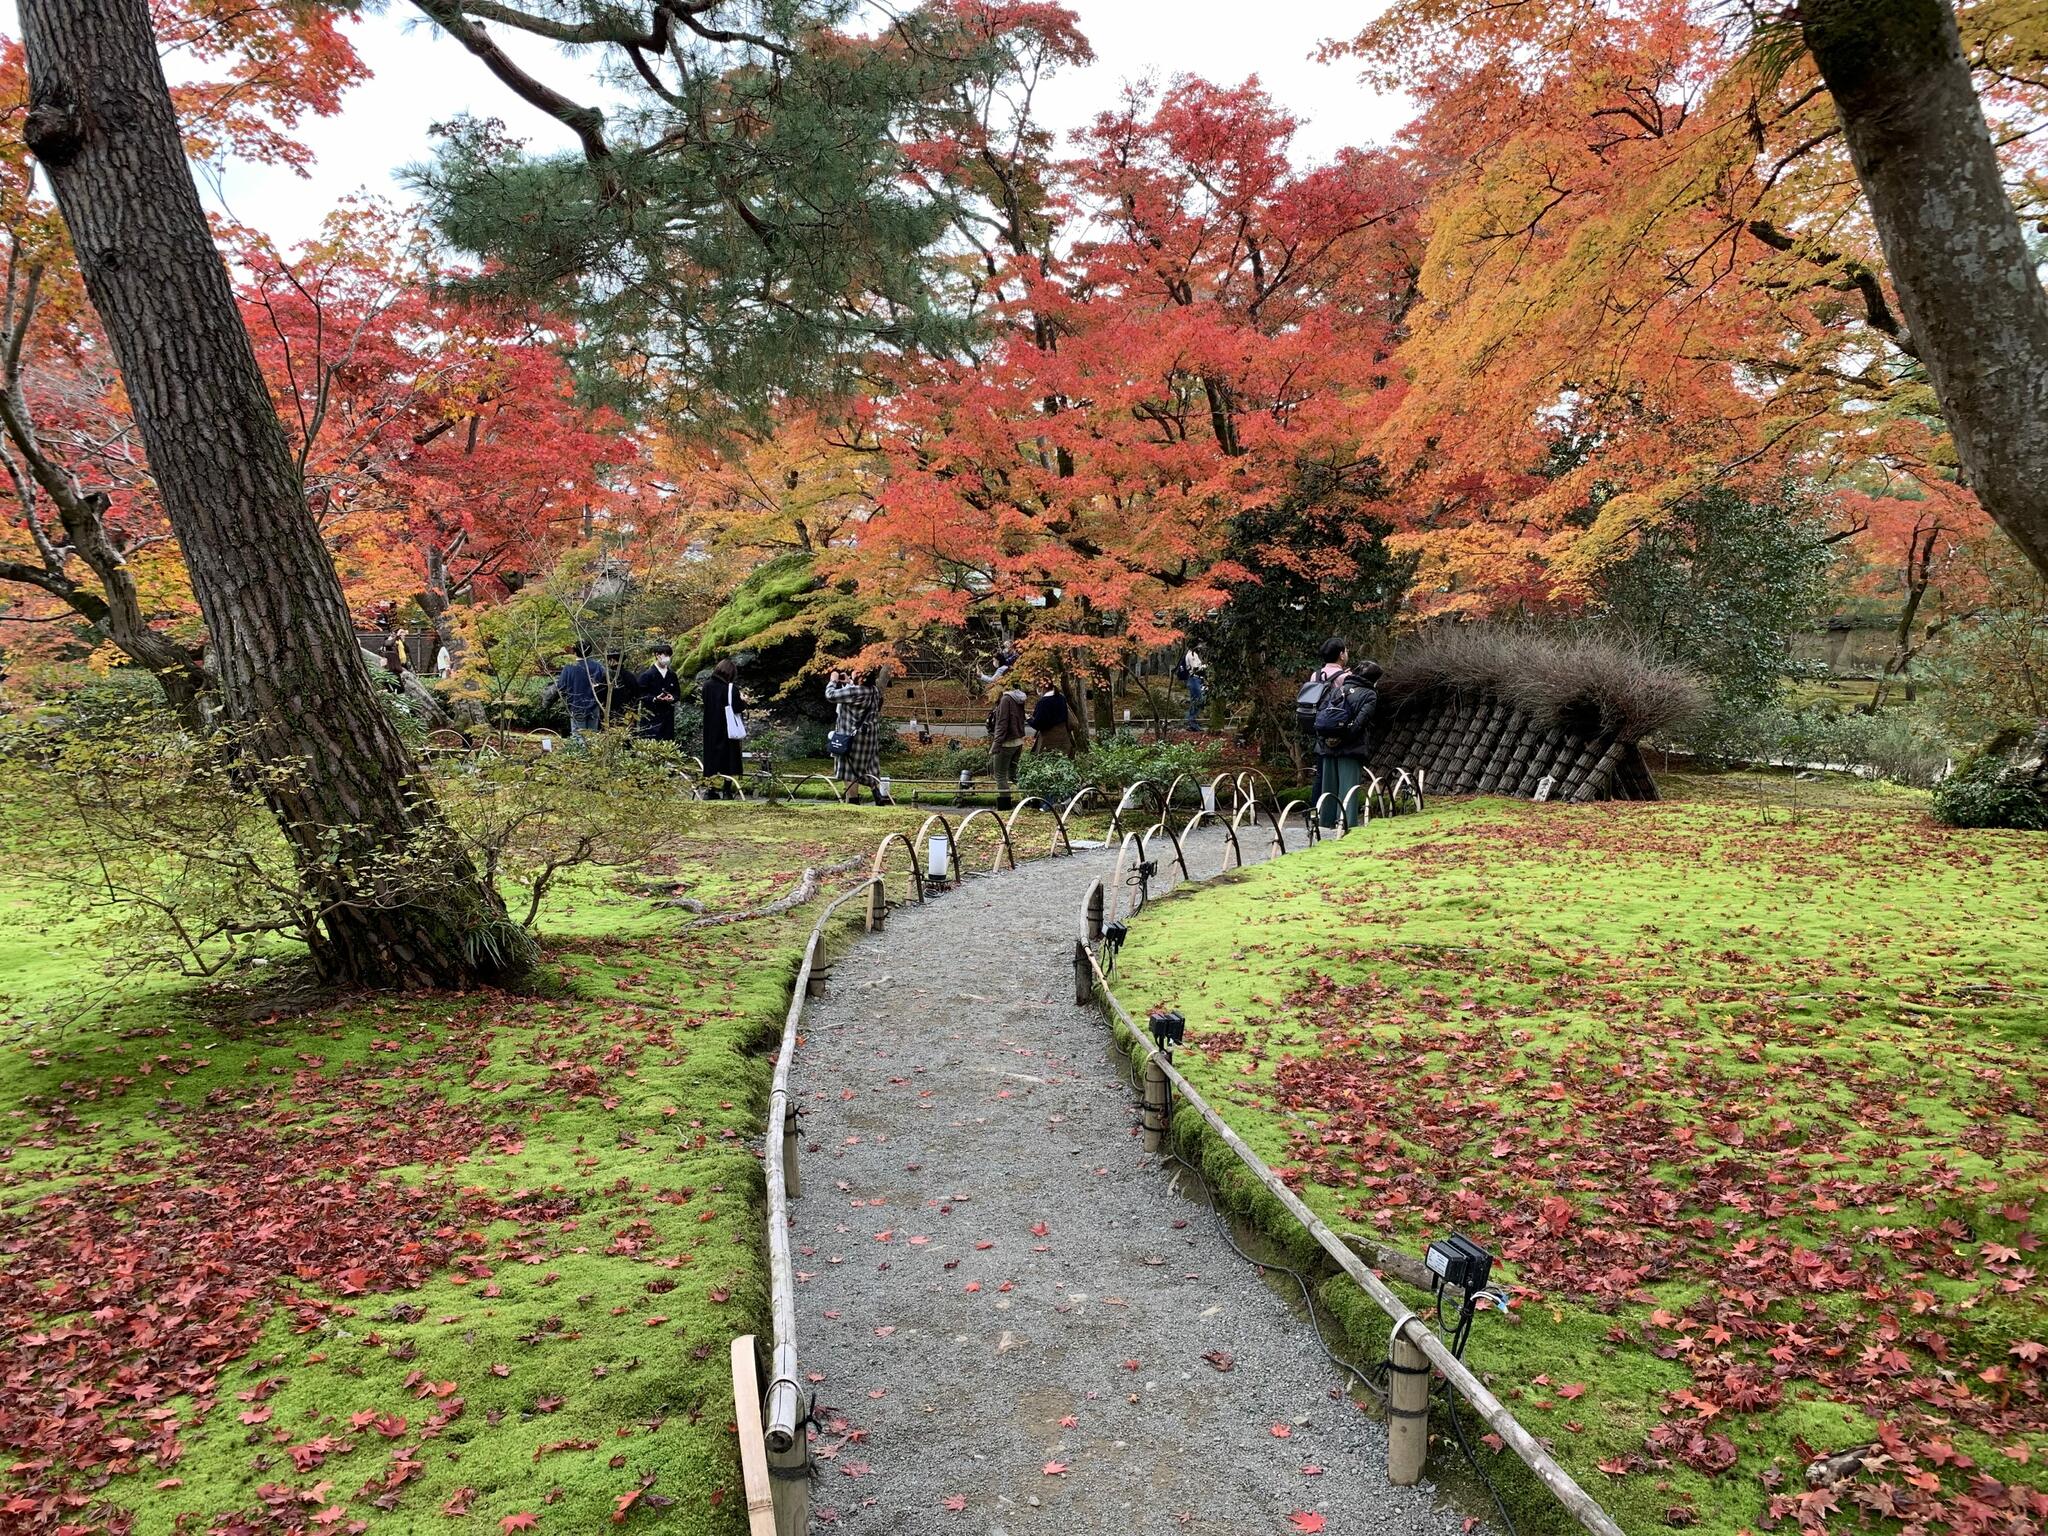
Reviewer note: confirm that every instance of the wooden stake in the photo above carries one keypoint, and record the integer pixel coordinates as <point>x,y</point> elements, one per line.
<point>1158,1111</point>
<point>1407,1411</point>
<point>790,1480</point>
<point>1084,975</point>
<point>746,1403</point>
<point>792,1181</point>
<point>878,906</point>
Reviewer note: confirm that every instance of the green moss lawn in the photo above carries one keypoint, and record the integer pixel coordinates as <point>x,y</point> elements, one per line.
<point>396,1264</point>
<point>1746,1093</point>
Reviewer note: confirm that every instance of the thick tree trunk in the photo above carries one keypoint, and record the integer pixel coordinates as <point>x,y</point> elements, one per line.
<point>1974,304</point>
<point>399,904</point>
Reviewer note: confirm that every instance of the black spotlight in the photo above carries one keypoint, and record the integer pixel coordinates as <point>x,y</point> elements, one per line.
<point>1457,1261</point>
<point>1114,935</point>
<point>1168,1028</point>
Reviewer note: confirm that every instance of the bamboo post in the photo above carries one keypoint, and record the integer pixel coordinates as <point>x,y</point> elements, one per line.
<point>1158,1104</point>
<point>1094,918</point>
<point>789,1475</point>
<point>754,1476</point>
<point>1407,1411</point>
<point>878,906</point>
<point>1594,785</point>
<point>815,970</point>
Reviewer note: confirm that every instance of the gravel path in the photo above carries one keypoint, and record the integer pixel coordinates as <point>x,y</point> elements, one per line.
<point>1013,1318</point>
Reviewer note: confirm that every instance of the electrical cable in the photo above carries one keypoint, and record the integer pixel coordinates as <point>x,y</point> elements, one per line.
<point>1377,1388</point>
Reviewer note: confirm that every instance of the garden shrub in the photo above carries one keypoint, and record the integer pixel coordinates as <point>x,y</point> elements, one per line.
<point>1113,764</point>
<point>1993,789</point>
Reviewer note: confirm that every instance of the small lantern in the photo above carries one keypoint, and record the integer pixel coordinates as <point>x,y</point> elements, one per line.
<point>938,853</point>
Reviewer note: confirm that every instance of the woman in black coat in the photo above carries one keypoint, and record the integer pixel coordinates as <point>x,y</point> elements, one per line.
<point>721,751</point>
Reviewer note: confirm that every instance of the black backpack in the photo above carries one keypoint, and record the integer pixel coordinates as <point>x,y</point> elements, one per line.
<point>1341,722</point>
<point>1309,703</point>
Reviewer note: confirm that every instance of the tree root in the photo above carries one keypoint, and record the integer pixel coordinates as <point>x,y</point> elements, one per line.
<point>806,887</point>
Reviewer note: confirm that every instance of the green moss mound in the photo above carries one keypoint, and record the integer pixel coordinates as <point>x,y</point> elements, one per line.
<point>755,618</point>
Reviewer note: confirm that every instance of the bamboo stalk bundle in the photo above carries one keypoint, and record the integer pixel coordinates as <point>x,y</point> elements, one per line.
<point>1646,781</point>
<point>1501,753</point>
<point>1433,738</point>
<point>1596,784</point>
<point>1526,741</point>
<point>1456,741</point>
<point>1495,732</point>
<point>1558,766</point>
<point>1581,768</point>
<point>1539,761</point>
<point>1396,741</point>
<point>1464,767</point>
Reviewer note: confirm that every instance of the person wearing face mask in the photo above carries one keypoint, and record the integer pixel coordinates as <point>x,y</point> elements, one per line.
<point>659,688</point>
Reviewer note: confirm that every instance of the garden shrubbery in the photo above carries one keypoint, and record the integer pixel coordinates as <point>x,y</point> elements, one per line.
<point>1114,763</point>
<point>2001,786</point>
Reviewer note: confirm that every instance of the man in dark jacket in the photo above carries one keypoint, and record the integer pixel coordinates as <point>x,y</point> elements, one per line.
<point>659,688</point>
<point>581,684</point>
<point>1344,737</point>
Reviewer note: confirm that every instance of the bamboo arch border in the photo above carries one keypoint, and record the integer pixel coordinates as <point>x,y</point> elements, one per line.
<point>878,870</point>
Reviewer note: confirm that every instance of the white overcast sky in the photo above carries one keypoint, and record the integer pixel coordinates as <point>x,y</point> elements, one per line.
<point>420,78</point>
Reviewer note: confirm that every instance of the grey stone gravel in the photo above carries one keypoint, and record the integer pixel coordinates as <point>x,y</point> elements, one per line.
<point>993,1277</point>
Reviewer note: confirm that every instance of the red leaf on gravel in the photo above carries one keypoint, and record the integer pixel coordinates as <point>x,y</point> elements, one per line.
<point>1055,1468</point>
<point>1281,1431</point>
<point>1131,1365</point>
<point>1222,1359</point>
<point>1069,1422</point>
<point>1307,1521</point>
<point>956,1502</point>
<point>1039,1229</point>
<point>1311,1471</point>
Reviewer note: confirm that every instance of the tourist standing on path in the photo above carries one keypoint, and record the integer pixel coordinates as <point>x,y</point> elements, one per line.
<point>1006,724</point>
<point>857,732</point>
<point>659,688</point>
<point>581,685</point>
<point>722,712</point>
<point>1344,735</point>
<point>1193,671</point>
<point>1052,720</point>
<point>1336,661</point>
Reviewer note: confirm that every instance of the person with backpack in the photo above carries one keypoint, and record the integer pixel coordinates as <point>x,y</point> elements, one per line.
<point>1336,659</point>
<point>856,738</point>
<point>1344,735</point>
<point>1006,724</point>
<point>1052,720</point>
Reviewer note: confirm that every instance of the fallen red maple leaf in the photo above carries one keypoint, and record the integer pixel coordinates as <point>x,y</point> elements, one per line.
<point>1307,1521</point>
<point>1281,1431</point>
<point>519,1522</point>
<point>955,1502</point>
<point>1055,1468</point>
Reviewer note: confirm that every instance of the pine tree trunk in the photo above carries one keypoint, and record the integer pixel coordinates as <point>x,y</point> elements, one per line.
<point>301,703</point>
<point>1975,312</point>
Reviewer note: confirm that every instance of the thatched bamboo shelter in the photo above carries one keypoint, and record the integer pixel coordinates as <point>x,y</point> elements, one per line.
<point>1497,712</point>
